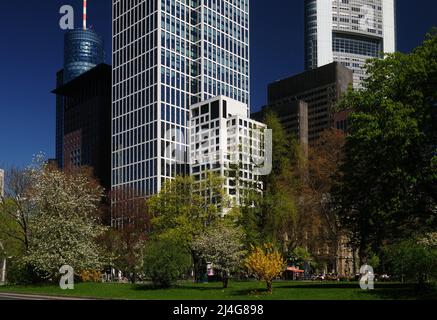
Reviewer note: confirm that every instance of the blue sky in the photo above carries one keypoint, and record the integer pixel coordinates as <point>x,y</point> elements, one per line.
<point>32,51</point>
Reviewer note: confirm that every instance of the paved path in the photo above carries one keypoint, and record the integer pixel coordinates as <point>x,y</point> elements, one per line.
<point>19,296</point>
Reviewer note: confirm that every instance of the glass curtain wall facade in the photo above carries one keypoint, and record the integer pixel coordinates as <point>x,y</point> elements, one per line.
<point>168,55</point>
<point>83,51</point>
<point>349,32</point>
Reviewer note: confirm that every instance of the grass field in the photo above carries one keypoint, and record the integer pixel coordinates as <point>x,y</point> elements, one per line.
<point>236,291</point>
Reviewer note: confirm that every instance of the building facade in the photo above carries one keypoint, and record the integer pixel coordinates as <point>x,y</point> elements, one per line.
<point>167,56</point>
<point>87,122</point>
<point>225,141</point>
<point>305,101</point>
<point>349,32</point>
<point>293,116</point>
<point>83,50</point>
<point>2,183</point>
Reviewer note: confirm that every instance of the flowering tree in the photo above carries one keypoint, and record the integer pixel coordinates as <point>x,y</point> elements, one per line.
<point>64,225</point>
<point>266,263</point>
<point>222,245</point>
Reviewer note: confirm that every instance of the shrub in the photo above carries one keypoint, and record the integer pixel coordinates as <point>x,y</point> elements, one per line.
<point>165,262</point>
<point>90,276</point>
<point>266,263</point>
<point>414,260</point>
<point>21,274</point>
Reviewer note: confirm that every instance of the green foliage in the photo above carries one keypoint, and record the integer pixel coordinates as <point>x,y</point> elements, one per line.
<point>413,260</point>
<point>10,235</point>
<point>273,217</point>
<point>299,256</point>
<point>183,208</point>
<point>387,189</point>
<point>21,274</point>
<point>165,262</point>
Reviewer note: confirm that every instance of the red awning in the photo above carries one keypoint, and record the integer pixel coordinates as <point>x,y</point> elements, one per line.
<point>295,270</point>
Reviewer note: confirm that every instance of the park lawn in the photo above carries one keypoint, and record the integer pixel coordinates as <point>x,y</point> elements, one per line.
<point>250,290</point>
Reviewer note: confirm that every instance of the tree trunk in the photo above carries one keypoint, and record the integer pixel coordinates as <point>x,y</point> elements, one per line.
<point>363,253</point>
<point>225,280</point>
<point>269,286</point>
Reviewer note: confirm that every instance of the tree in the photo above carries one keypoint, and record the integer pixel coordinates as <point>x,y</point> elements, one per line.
<point>165,262</point>
<point>414,259</point>
<point>299,256</point>
<point>325,157</point>
<point>222,245</point>
<point>15,209</point>
<point>130,228</point>
<point>184,209</point>
<point>274,216</point>
<point>389,176</point>
<point>266,264</point>
<point>10,232</point>
<point>64,225</point>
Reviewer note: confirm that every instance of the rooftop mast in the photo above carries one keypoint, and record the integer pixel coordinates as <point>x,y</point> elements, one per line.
<point>84,14</point>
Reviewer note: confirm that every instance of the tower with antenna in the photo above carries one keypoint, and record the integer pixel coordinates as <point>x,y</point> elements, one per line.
<point>84,14</point>
<point>83,50</point>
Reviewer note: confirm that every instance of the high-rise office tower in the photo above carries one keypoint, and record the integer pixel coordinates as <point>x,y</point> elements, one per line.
<point>87,122</point>
<point>167,56</point>
<point>305,102</point>
<point>349,32</point>
<point>83,50</point>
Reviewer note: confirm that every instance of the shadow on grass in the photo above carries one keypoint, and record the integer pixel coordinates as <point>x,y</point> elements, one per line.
<point>193,287</point>
<point>258,293</point>
<point>404,292</point>
<point>317,286</point>
<point>338,285</point>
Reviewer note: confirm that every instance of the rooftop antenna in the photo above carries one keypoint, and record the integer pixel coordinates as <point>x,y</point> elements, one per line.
<point>84,14</point>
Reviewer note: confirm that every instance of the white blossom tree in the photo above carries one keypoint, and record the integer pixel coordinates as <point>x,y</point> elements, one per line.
<point>221,245</point>
<point>65,224</point>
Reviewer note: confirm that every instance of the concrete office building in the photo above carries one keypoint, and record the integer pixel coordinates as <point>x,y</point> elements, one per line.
<point>293,116</point>
<point>305,101</point>
<point>224,140</point>
<point>348,31</point>
<point>167,56</point>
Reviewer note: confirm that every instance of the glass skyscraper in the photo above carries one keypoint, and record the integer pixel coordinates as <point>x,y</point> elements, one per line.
<point>168,55</point>
<point>83,50</point>
<point>348,31</point>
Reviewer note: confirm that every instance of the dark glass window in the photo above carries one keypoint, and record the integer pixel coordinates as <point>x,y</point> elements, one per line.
<point>225,109</point>
<point>204,109</point>
<point>215,109</point>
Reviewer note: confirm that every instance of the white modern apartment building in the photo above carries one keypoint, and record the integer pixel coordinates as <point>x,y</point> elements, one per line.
<point>224,140</point>
<point>2,183</point>
<point>349,32</point>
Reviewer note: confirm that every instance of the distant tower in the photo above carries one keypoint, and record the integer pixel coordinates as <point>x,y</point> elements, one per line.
<point>83,50</point>
<point>349,32</point>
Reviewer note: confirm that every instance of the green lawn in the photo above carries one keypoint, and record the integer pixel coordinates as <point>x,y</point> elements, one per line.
<point>236,291</point>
